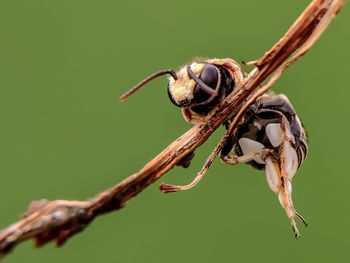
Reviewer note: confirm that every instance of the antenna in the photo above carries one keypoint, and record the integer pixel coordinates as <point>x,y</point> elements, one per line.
<point>148,79</point>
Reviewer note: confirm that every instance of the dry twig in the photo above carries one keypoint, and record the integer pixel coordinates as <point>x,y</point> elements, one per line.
<point>58,220</point>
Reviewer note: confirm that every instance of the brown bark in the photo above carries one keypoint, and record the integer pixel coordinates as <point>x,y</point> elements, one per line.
<point>60,219</point>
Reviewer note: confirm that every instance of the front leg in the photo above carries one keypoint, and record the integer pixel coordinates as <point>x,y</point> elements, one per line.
<point>192,117</point>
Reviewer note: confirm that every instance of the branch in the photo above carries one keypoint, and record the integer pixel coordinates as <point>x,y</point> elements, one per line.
<point>58,220</point>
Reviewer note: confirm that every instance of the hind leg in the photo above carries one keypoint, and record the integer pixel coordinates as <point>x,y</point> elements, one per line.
<point>279,174</point>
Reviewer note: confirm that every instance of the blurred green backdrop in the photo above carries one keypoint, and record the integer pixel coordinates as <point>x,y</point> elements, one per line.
<point>64,134</point>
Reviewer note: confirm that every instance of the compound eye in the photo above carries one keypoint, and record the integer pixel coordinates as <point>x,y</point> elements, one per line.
<point>210,76</point>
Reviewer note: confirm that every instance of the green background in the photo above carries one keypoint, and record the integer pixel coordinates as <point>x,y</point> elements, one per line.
<point>64,134</point>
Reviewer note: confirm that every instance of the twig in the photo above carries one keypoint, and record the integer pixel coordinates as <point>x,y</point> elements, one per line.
<point>58,220</point>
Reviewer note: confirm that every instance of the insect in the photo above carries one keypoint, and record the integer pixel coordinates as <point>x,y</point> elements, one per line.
<point>269,137</point>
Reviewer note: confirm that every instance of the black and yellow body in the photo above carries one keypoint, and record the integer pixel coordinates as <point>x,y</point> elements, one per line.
<point>270,137</point>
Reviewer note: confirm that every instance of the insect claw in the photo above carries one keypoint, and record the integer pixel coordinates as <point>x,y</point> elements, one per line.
<point>295,229</point>
<point>169,188</point>
<point>301,218</point>
<point>296,233</point>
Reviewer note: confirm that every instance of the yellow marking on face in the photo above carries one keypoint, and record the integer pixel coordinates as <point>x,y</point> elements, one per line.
<point>182,88</point>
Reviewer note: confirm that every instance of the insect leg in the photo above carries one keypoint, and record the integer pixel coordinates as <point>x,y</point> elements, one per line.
<point>191,116</point>
<point>279,174</point>
<point>234,159</point>
<point>169,188</point>
<point>288,166</point>
<point>277,184</point>
<point>280,171</point>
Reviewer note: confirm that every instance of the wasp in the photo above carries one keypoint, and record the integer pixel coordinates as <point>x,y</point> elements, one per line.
<point>270,136</point>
